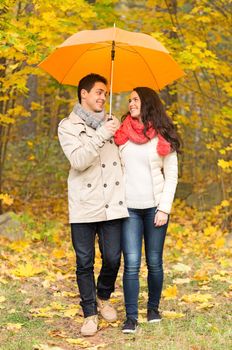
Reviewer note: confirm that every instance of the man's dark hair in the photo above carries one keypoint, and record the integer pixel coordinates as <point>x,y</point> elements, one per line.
<point>88,82</point>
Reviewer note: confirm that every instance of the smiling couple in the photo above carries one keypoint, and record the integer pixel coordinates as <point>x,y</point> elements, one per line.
<point>121,186</point>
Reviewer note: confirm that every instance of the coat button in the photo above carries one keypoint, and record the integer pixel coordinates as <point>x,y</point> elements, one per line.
<point>105,185</point>
<point>120,202</point>
<point>114,163</point>
<point>89,185</point>
<point>106,206</point>
<point>117,183</point>
<point>103,165</point>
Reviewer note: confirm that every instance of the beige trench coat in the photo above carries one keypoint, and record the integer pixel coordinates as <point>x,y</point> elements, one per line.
<point>95,183</point>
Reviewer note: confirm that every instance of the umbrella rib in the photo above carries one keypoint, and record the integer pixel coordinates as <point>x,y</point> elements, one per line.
<point>88,49</point>
<point>66,73</point>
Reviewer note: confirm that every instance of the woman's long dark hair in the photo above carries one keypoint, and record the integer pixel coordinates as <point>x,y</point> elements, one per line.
<point>154,114</point>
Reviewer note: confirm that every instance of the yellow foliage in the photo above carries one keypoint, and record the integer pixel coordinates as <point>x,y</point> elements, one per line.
<point>6,199</point>
<point>2,299</point>
<point>225,203</point>
<point>224,164</point>
<point>30,144</point>
<point>205,305</point>
<point>172,314</point>
<point>69,294</point>
<point>14,326</point>
<point>196,298</point>
<point>19,246</point>
<point>71,312</point>
<point>47,347</point>
<point>36,106</point>
<point>181,268</point>
<point>181,280</point>
<point>6,120</point>
<point>27,270</point>
<point>220,242</point>
<point>59,253</point>
<point>170,292</point>
<point>78,341</point>
<point>201,276</point>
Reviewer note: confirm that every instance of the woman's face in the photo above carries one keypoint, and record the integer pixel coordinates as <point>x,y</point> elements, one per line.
<point>135,105</point>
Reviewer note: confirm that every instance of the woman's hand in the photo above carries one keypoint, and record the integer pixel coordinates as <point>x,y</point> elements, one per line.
<point>160,218</point>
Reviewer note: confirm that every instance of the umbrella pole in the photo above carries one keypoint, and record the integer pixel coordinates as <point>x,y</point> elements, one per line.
<point>111,77</point>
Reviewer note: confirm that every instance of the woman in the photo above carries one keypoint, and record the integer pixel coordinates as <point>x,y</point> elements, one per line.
<point>148,146</point>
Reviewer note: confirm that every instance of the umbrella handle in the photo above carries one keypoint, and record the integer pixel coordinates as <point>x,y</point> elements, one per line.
<point>111,77</point>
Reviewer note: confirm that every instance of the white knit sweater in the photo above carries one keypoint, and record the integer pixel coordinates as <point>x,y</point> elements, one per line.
<point>137,176</point>
<point>149,177</point>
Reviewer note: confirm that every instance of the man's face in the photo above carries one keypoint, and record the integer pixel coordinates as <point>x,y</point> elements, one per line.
<point>95,99</point>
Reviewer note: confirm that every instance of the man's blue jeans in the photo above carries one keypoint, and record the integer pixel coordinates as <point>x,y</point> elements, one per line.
<point>83,239</point>
<point>141,224</point>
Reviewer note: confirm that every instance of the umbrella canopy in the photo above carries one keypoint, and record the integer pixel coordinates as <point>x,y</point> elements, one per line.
<point>139,59</point>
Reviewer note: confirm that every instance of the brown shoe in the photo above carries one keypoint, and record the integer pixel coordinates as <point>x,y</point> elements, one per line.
<point>89,326</point>
<point>107,311</point>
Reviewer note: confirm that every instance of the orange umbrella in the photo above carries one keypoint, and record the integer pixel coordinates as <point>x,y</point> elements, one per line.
<point>126,59</point>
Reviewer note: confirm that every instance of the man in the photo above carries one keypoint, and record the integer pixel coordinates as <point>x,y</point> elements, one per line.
<point>96,197</point>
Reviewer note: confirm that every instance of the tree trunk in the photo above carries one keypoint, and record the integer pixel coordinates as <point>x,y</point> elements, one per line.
<point>2,75</point>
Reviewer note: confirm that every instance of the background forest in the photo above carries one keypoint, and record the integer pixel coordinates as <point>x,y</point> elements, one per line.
<point>33,169</point>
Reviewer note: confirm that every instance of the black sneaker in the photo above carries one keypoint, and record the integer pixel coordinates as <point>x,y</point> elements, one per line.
<point>153,315</point>
<point>130,325</point>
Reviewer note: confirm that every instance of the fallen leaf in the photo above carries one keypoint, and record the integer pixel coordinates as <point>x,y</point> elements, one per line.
<point>19,246</point>
<point>58,253</point>
<point>3,281</point>
<point>201,276</point>
<point>78,341</point>
<point>46,347</point>
<point>71,312</point>
<point>205,306</point>
<point>181,268</point>
<point>172,314</point>
<point>96,347</point>
<point>205,287</point>
<point>46,284</point>
<point>11,311</point>
<point>14,326</point>
<point>69,294</point>
<point>56,306</point>
<point>194,298</point>
<point>27,270</point>
<point>170,292</point>
<point>181,280</point>
<point>56,333</point>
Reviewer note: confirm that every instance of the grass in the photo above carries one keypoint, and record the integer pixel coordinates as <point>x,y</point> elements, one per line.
<point>199,330</point>
<point>207,328</point>
<point>16,311</point>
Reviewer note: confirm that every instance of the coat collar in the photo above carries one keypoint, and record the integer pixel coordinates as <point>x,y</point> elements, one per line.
<point>82,126</point>
<point>75,119</point>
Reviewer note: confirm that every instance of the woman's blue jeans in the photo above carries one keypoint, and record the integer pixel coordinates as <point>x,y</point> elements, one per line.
<point>141,224</point>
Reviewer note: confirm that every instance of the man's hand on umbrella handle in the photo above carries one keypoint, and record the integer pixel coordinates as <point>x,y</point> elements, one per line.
<point>112,125</point>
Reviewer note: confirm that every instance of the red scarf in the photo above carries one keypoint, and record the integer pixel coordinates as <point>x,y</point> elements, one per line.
<point>131,129</point>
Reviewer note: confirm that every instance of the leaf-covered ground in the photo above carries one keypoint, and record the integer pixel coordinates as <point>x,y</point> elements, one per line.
<point>39,300</point>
